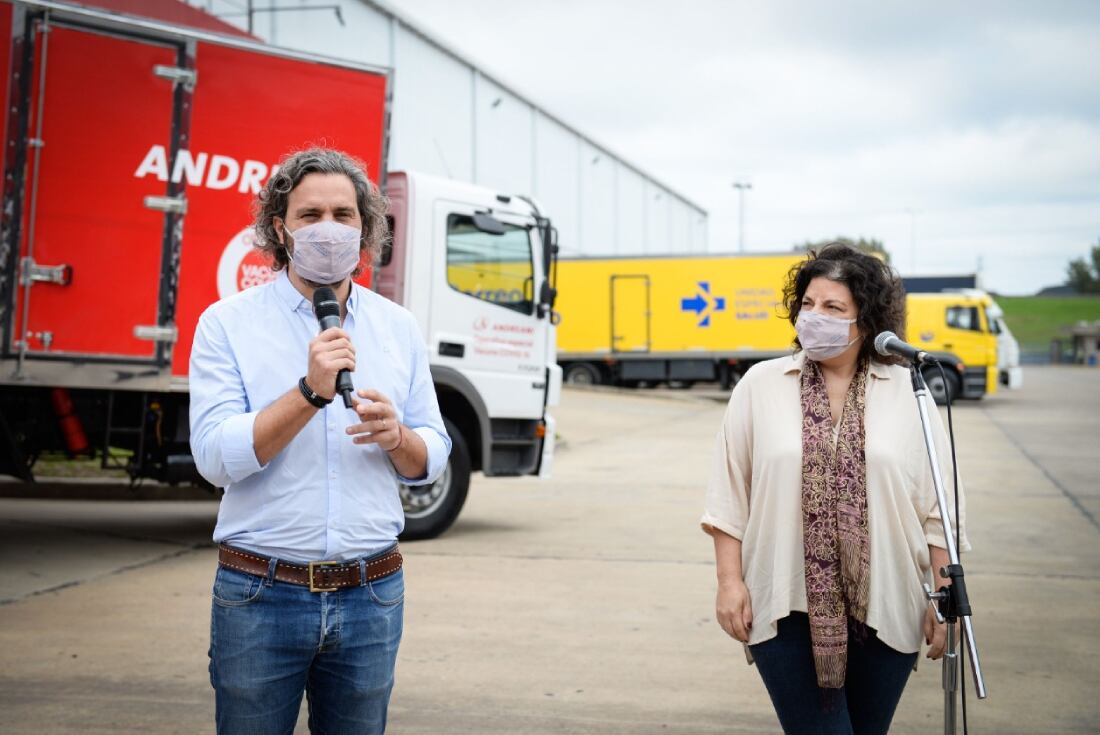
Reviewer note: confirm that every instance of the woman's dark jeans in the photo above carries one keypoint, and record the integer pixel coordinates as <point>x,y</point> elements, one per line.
<point>864,706</point>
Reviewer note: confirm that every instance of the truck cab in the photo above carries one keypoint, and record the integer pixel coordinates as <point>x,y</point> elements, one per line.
<point>1008,348</point>
<point>956,328</point>
<point>474,267</point>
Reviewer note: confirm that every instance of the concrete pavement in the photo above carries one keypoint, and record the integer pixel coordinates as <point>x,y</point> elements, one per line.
<point>582,604</point>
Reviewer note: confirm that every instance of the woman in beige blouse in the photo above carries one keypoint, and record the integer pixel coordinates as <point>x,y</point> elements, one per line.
<point>822,508</point>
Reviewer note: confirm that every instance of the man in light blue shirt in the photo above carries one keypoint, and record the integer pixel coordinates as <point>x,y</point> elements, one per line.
<point>308,593</point>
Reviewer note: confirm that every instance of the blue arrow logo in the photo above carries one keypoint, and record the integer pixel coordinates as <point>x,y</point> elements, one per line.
<point>697,304</point>
<point>703,304</point>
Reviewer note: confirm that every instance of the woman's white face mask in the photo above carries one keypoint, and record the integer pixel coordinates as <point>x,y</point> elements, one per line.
<point>324,252</point>
<point>823,336</point>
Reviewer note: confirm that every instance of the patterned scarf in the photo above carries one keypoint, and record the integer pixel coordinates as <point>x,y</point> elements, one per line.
<point>834,520</point>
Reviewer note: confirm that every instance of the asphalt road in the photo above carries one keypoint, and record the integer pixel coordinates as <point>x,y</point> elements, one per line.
<point>580,604</point>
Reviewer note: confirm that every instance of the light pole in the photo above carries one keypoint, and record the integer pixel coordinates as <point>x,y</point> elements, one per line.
<point>741,186</point>
<point>912,240</point>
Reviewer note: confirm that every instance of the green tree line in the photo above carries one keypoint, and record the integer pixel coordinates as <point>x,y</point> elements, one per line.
<point>1083,276</point>
<point>870,246</point>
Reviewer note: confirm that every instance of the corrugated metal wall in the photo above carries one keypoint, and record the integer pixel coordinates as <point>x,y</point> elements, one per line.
<point>452,119</point>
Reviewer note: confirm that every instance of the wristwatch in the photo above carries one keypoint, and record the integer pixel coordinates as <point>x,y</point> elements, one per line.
<point>314,400</point>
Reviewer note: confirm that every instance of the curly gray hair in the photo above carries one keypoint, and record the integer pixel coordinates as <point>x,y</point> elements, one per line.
<point>273,199</point>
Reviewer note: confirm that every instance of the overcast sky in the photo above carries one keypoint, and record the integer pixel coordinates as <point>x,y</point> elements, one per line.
<point>970,131</point>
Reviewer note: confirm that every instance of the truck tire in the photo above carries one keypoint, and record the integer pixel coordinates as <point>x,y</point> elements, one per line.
<point>431,509</point>
<point>942,391</point>
<point>583,373</point>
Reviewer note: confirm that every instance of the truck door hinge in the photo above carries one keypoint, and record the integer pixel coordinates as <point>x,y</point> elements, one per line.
<point>177,75</point>
<point>153,333</point>
<point>174,205</point>
<point>31,272</point>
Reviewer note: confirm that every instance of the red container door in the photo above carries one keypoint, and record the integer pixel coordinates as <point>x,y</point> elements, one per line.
<point>248,111</point>
<point>102,103</point>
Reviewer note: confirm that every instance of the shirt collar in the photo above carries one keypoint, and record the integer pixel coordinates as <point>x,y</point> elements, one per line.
<point>798,359</point>
<point>295,300</point>
<point>287,293</point>
<point>353,299</point>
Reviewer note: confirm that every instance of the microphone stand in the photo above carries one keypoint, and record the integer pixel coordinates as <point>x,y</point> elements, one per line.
<point>951,601</point>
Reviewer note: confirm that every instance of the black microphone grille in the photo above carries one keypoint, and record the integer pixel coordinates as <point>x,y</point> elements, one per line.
<point>325,303</point>
<point>881,341</point>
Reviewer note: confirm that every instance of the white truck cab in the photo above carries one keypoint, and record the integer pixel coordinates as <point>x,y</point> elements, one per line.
<point>474,266</point>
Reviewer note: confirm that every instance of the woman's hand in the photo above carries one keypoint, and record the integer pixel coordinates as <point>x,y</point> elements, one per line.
<point>733,608</point>
<point>935,634</point>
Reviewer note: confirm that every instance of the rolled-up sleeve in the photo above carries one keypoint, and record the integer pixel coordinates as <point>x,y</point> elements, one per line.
<point>933,526</point>
<point>221,422</point>
<point>422,412</point>
<point>727,500</point>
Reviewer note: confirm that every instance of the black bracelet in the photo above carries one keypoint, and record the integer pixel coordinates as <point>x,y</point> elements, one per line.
<point>314,400</point>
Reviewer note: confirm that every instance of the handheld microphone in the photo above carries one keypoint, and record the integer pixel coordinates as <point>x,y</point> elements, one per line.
<point>888,343</point>
<point>327,309</point>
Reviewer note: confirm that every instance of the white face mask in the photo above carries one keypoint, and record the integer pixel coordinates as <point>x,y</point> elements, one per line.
<point>822,336</point>
<point>325,252</point>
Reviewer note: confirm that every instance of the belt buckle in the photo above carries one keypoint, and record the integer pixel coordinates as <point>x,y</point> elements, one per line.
<point>313,565</point>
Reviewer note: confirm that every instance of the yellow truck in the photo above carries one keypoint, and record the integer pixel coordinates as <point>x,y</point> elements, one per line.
<point>682,319</point>
<point>957,328</point>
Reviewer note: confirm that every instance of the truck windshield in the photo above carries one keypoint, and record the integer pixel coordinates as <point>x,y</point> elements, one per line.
<point>493,268</point>
<point>994,322</point>
<point>964,317</point>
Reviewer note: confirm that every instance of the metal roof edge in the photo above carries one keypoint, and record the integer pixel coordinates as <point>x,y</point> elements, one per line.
<point>411,24</point>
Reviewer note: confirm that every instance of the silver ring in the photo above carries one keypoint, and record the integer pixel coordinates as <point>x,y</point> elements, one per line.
<point>383,424</point>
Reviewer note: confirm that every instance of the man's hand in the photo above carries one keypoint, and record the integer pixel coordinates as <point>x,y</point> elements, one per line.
<point>733,608</point>
<point>379,424</point>
<point>329,352</point>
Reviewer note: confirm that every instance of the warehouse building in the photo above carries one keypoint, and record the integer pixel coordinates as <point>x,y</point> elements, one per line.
<point>454,119</point>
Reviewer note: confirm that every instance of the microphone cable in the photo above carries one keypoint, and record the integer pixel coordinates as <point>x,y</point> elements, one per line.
<point>958,533</point>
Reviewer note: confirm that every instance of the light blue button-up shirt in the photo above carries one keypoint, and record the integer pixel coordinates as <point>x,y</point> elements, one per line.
<point>321,497</point>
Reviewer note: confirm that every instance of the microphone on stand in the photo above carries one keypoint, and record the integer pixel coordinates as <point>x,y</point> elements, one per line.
<point>327,310</point>
<point>888,343</point>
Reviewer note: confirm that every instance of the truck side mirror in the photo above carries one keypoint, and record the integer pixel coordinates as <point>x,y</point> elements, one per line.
<point>549,235</point>
<point>547,296</point>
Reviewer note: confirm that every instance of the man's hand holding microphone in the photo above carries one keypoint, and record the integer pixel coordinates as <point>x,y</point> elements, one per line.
<point>331,363</point>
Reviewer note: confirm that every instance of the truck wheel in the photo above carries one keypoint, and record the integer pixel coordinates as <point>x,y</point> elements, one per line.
<point>431,509</point>
<point>942,391</point>
<point>582,373</point>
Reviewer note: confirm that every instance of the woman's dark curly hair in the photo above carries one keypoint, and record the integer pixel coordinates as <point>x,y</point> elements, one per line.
<point>273,198</point>
<point>876,288</point>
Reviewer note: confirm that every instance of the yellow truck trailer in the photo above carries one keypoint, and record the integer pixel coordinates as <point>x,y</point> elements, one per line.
<point>682,319</point>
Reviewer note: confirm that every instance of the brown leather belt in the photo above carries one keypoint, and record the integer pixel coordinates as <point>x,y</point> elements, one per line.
<point>319,576</point>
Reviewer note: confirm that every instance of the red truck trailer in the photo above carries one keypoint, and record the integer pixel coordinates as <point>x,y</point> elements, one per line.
<point>133,148</point>
<point>132,151</point>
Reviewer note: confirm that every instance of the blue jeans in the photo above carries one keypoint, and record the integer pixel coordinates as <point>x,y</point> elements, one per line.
<point>872,688</point>
<point>270,642</point>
